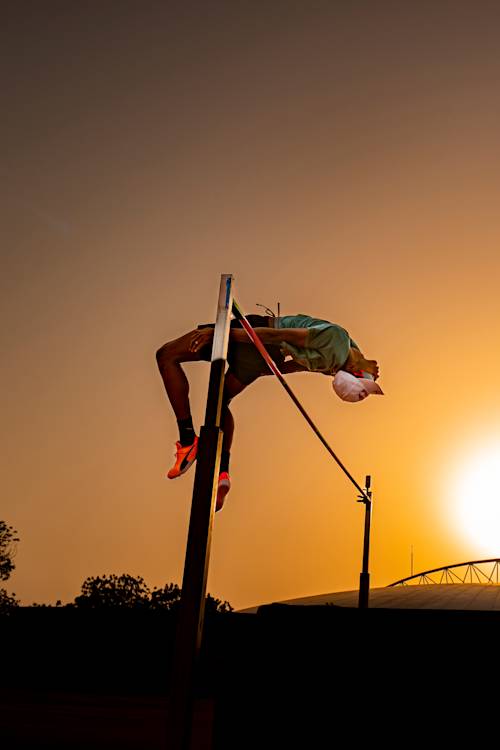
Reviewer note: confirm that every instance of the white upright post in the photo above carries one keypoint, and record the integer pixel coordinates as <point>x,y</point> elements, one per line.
<point>194,584</point>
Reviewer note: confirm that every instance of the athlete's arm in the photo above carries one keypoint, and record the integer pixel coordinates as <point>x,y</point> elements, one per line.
<point>294,336</point>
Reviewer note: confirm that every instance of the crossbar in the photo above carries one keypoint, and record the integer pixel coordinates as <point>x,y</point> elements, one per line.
<point>238,313</point>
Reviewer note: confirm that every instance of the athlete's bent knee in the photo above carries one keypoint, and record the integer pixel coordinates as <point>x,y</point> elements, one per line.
<point>165,354</point>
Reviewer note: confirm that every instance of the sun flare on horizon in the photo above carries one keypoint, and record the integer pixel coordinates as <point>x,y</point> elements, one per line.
<point>476,493</point>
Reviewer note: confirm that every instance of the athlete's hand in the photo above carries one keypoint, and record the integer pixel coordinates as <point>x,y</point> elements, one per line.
<point>200,338</point>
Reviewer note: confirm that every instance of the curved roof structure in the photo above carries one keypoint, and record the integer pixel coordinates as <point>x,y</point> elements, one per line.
<point>458,596</point>
<point>439,596</point>
<point>472,571</point>
<point>471,585</point>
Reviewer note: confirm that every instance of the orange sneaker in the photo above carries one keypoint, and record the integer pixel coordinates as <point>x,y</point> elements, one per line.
<point>222,489</point>
<point>184,459</point>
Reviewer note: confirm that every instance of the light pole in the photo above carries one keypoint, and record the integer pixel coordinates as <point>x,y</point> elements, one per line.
<point>364,577</point>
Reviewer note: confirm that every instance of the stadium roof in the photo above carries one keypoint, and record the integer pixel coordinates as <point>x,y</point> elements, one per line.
<point>457,596</point>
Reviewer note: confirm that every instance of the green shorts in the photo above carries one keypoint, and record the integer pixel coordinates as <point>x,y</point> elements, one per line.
<point>245,361</point>
<point>247,364</point>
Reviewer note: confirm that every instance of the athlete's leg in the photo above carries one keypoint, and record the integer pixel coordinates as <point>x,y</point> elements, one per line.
<point>232,387</point>
<point>169,358</point>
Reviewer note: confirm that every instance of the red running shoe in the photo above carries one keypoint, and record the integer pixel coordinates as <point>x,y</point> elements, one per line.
<point>184,459</point>
<point>222,489</point>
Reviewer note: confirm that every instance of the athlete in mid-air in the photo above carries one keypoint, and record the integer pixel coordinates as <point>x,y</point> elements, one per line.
<point>297,343</point>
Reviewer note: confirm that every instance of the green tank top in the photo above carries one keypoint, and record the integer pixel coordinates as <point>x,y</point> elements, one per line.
<point>327,344</point>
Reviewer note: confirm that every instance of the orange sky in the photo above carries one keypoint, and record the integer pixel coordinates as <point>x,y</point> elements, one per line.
<point>340,158</point>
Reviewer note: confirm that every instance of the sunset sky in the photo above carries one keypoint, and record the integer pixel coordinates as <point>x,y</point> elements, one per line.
<point>340,158</point>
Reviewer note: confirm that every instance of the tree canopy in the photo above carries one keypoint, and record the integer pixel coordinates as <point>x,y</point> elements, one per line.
<point>113,591</point>
<point>126,591</point>
<point>8,539</point>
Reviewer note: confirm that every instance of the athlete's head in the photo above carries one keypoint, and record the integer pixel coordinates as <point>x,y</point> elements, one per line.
<point>350,387</point>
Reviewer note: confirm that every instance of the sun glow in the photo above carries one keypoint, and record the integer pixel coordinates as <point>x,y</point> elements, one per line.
<point>476,496</point>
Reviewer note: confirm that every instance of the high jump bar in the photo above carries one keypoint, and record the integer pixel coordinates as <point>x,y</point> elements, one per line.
<point>239,315</point>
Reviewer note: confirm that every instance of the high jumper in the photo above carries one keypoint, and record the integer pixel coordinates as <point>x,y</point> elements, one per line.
<point>296,343</point>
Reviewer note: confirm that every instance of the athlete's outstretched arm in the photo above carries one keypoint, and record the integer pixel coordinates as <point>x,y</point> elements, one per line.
<point>295,336</point>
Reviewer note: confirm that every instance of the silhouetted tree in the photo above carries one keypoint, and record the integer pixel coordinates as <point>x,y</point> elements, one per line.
<point>216,605</point>
<point>114,591</point>
<point>127,591</point>
<point>8,539</point>
<point>167,597</point>
<point>7,602</point>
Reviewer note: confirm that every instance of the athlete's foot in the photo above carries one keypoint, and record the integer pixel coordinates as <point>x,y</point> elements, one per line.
<point>223,488</point>
<point>184,459</point>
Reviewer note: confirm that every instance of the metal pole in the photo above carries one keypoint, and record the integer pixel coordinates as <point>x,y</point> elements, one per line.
<point>194,583</point>
<point>364,577</point>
